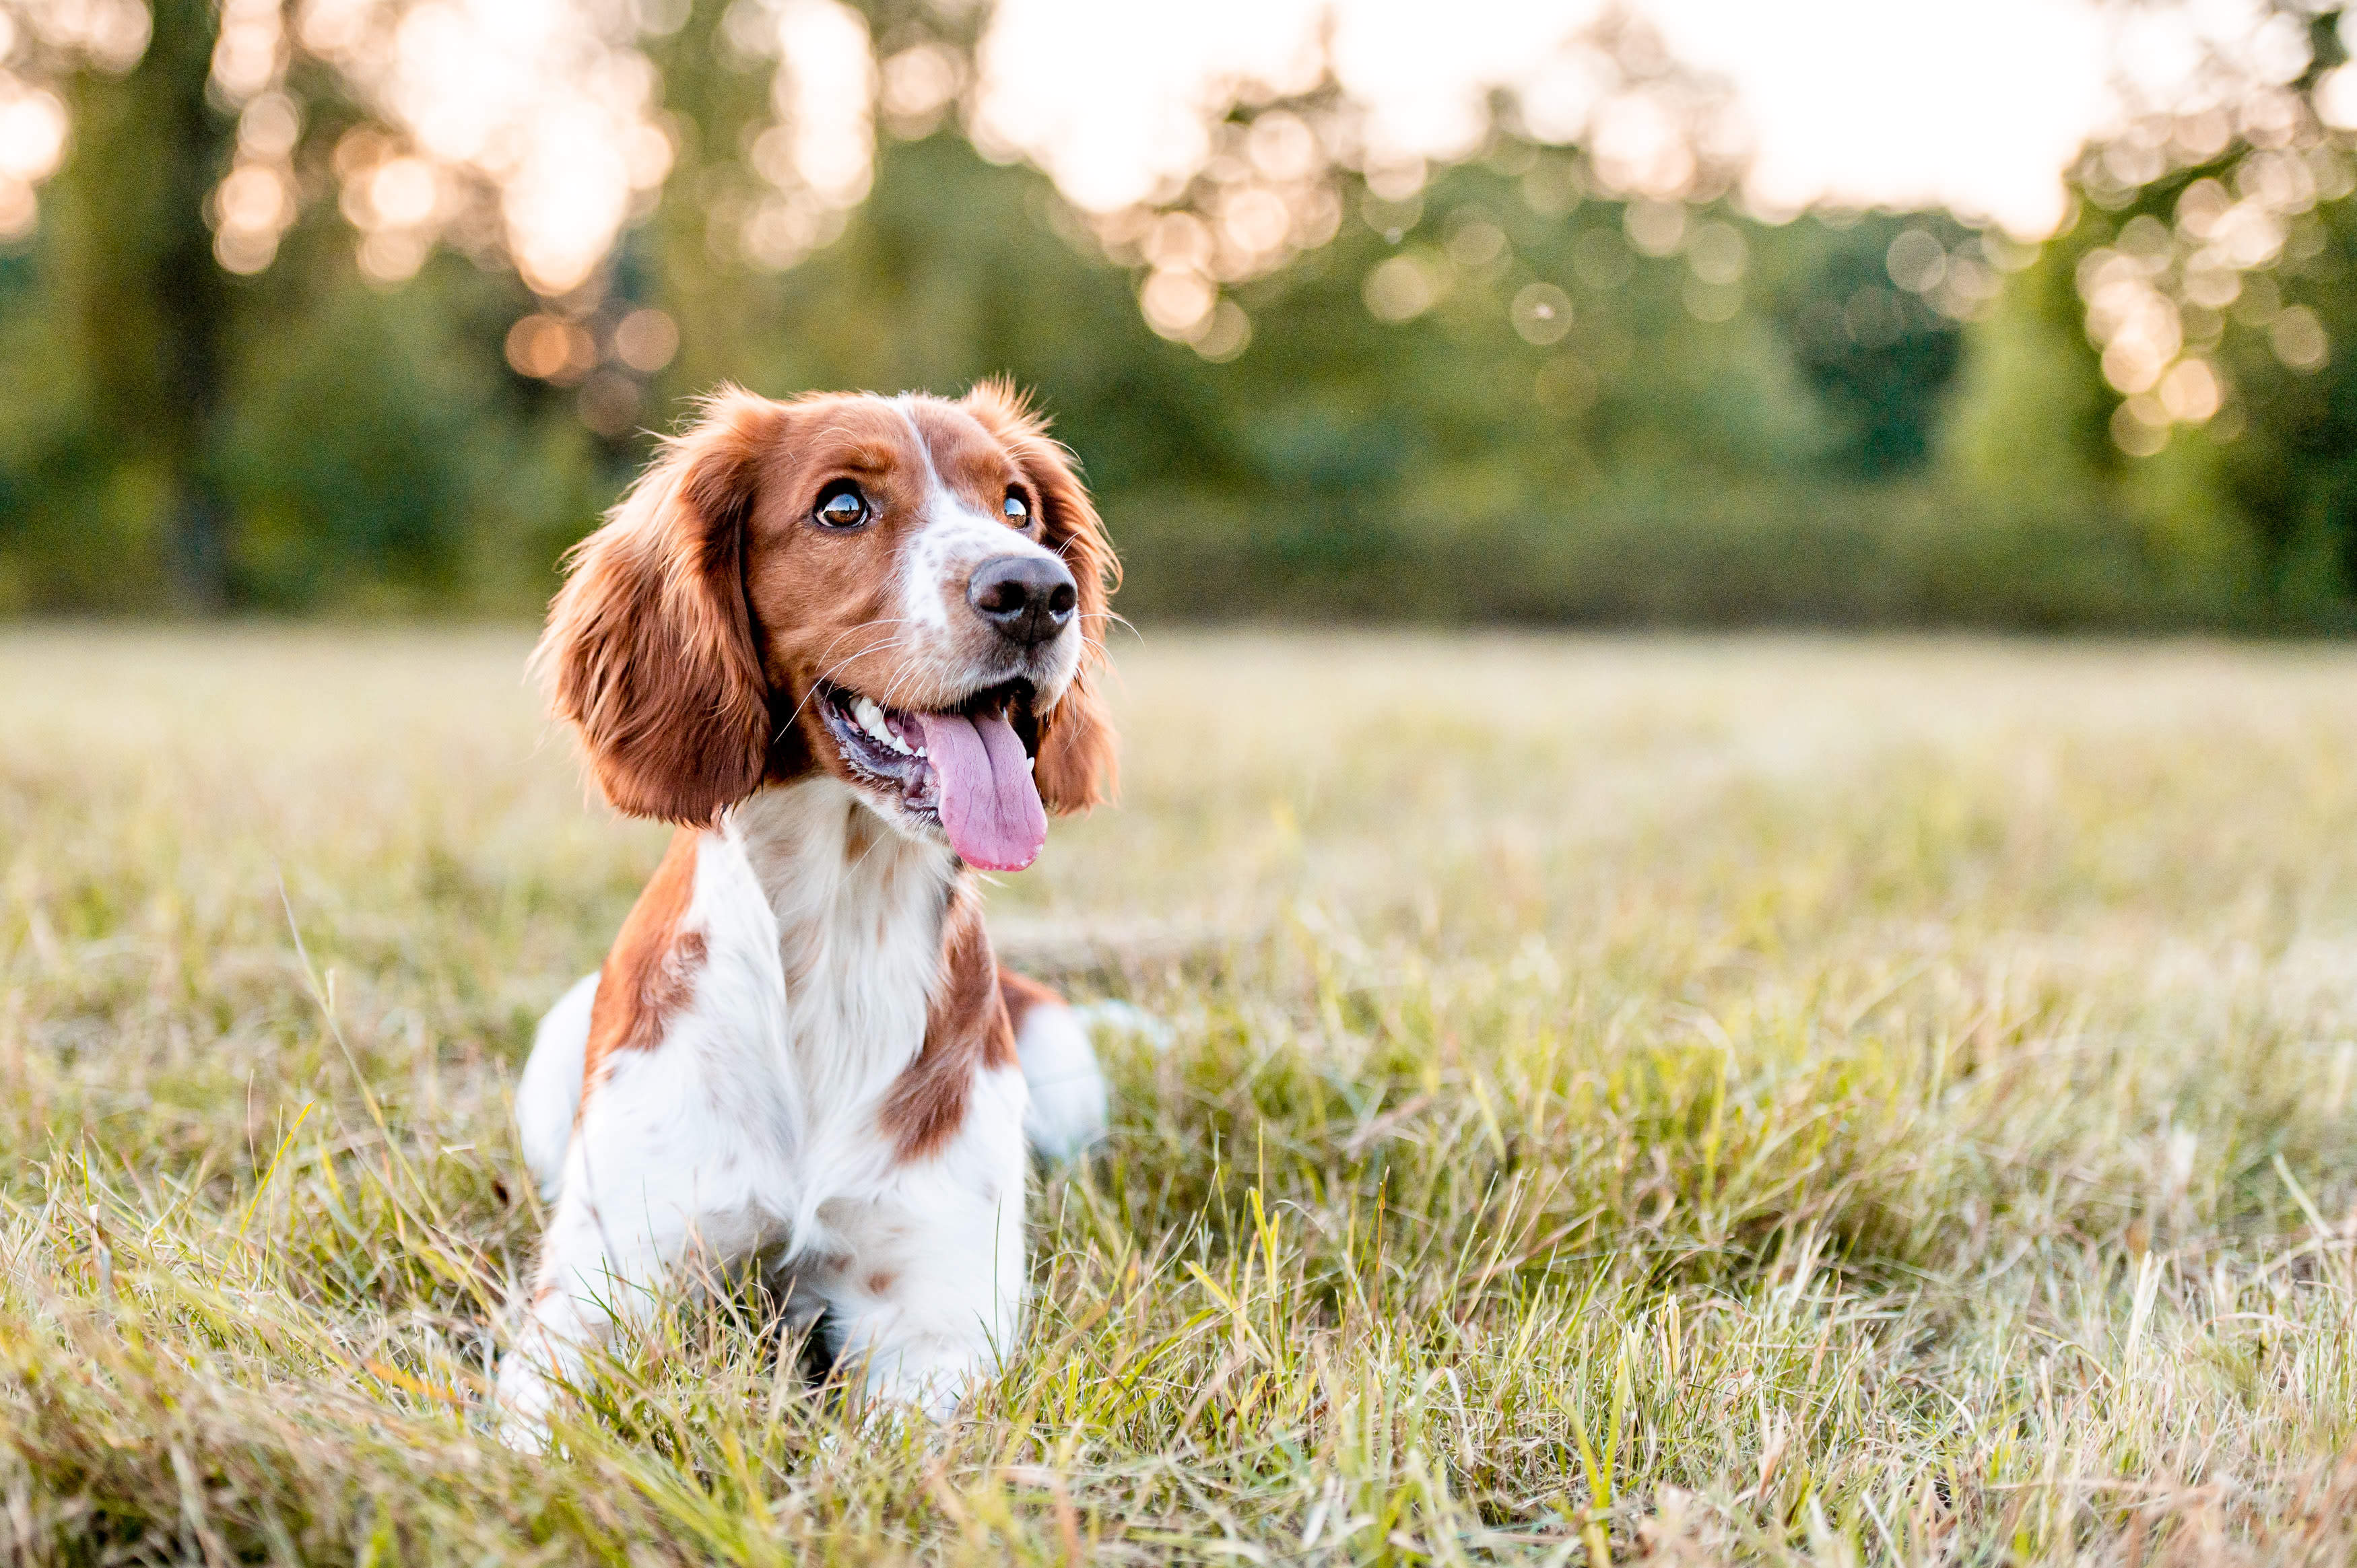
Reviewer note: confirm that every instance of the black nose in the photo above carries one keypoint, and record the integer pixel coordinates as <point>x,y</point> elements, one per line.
<point>1029,599</point>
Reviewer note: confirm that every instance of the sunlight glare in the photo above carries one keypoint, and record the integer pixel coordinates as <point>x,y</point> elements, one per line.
<point>32,134</point>
<point>1982,109</point>
<point>543,103</point>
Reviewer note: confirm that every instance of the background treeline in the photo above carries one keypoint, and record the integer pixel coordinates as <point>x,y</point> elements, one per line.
<point>1757,429</point>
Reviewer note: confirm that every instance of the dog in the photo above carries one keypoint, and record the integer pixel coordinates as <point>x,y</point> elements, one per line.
<point>851,646</point>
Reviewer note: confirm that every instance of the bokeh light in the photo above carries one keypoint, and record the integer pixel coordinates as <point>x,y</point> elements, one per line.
<point>1401,288</point>
<point>2299,340</point>
<point>1541,314</point>
<point>646,340</point>
<point>1207,147</point>
<point>551,348</point>
<point>536,115</point>
<point>40,38</point>
<point>818,158</point>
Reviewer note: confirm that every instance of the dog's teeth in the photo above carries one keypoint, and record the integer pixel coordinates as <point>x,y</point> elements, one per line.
<point>871,719</point>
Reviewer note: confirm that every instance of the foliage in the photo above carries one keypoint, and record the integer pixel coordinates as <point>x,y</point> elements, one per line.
<point>1584,408</point>
<point>1738,1101</point>
<point>1879,357</point>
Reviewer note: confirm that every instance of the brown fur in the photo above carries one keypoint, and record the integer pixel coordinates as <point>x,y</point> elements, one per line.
<point>966,1033</point>
<point>649,649</point>
<point>650,973</point>
<point>1018,993</point>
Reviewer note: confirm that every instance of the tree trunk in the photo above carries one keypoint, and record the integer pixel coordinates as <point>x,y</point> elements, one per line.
<point>154,304</point>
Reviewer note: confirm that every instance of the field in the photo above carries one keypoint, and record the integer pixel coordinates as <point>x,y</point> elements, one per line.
<point>1704,1101</point>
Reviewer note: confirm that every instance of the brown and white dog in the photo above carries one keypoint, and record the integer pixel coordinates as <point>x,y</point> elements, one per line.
<point>848,645</point>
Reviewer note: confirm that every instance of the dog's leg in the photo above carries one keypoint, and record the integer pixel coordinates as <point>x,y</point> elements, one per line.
<point>930,1296</point>
<point>1068,1089</point>
<point>549,1093</point>
<point>657,1189</point>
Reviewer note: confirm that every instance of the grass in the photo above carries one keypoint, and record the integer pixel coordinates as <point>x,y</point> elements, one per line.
<point>1766,1101</point>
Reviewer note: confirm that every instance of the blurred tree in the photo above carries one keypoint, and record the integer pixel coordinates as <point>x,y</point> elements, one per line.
<point>1880,358</point>
<point>282,341</point>
<point>140,312</point>
<point>2211,258</point>
<point>2292,462</point>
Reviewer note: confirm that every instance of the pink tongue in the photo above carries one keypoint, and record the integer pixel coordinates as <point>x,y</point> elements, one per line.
<point>989,804</point>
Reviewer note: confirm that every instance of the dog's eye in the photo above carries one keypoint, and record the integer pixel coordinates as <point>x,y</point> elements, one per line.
<point>841,506</point>
<point>1017,510</point>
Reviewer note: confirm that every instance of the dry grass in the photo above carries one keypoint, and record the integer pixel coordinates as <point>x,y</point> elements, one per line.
<point>1713,1101</point>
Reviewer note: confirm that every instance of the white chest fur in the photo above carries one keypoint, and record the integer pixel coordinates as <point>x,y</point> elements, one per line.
<point>839,920</point>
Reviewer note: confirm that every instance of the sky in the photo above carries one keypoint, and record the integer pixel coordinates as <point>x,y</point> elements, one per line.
<point>1907,103</point>
<point>1979,107</point>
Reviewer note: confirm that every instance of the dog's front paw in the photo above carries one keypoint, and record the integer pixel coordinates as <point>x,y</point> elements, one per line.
<point>521,1407</point>
<point>933,1386</point>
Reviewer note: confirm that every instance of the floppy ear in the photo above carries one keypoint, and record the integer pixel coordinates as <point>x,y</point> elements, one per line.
<point>1079,762</point>
<point>650,650</point>
<point>1079,757</point>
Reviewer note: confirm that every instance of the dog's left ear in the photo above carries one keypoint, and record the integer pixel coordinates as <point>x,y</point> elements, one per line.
<point>1079,764</point>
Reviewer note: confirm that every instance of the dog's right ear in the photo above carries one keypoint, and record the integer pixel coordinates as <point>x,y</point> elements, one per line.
<point>1079,761</point>
<point>650,650</point>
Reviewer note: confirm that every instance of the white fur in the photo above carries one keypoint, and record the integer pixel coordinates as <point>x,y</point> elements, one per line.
<point>751,1131</point>
<point>1068,1091</point>
<point>953,540</point>
<point>550,1090</point>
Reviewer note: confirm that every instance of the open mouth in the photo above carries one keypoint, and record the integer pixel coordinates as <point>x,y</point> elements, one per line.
<point>966,769</point>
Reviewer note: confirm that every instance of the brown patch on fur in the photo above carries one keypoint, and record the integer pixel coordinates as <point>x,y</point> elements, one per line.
<point>1019,994</point>
<point>803,950</point>
<point>966,1033</point>
<point>881,1281</point>
<point>650,973</point>
<point>859,835</point>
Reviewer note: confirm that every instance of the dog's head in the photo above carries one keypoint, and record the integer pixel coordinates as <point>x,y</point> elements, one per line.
<point>909,593</point>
